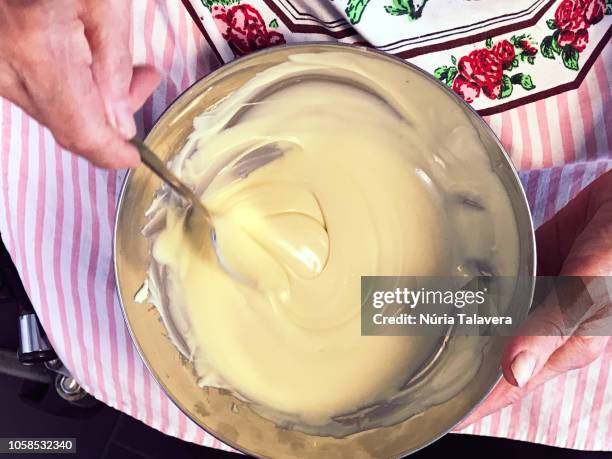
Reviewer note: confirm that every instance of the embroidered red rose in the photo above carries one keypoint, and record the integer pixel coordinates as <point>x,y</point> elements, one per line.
<point>528,48</point>
<point>571,36</point>
<point>581,39</point>
<point>244,28</point>
<point>504,51</point>
<point>566,37</point>
<point>483,68</point>
<point>219,14</point>
<point>578,40</point>
<point>570,15</point>
<point>593,10</point>
<point>466,89</point>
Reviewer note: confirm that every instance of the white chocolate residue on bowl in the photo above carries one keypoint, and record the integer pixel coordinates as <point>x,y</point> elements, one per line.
<point>312,185</point>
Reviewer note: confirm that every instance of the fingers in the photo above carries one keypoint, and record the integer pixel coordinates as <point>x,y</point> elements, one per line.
<point>574,307</point>
<point>70,103</point>
<point>78,89</point>
<point>105,148</point>
<point>539,337</point>
<point>504,394</point>
<point>570,244</point>
<point>144,81</point>
<point>97,140</point>
<point>83,126</point>
<point>525,356</point>
<point>577,352</point>
<point>107,28</point>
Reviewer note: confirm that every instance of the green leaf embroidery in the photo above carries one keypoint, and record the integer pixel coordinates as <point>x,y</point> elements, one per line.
<point>516,41</point>
<point>527,58</point>
<point>555,42</point>
<point>446,74</point>
<point>450,77</point>
<point>406,7</point>
<point>273,24</point>
<point>516,78</point>
<point>354,10</point>
<point>398,8</point>
<point>552,25</point>
<point>608,10</point>
<point>523,80</point>
<point>527,83</point>
<point>506,88</point>
<point>210,3</point>
<point>546,47</point>
<point>454,60</point>
<point>514,64</point>
<point>569,56</point>
<point>393,11</point>
<point>489,43</point>
<point>441,72</point>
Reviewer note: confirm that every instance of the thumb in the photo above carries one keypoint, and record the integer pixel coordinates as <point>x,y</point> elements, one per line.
<point>567,303</point>
<point>144,81</point>
<point>538,338</point>
<point>527,356</point>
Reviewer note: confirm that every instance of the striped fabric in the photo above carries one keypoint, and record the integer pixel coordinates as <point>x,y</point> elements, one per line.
<point>57,213</point>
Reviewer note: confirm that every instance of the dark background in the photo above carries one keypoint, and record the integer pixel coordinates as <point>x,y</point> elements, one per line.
<point>34,410</point>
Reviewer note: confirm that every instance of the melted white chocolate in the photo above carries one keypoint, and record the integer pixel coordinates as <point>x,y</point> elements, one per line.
<point>370,180</point>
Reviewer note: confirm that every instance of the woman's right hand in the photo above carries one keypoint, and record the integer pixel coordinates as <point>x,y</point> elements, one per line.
<point>576,242</point>
<point>68,64</point>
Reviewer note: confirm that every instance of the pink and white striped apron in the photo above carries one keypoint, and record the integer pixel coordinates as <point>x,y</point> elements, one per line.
<point>57,213</point>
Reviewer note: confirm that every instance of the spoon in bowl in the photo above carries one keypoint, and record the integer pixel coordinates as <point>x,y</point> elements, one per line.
<point>198,221</point>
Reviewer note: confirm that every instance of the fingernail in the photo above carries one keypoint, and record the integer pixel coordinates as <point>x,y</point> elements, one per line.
<point>522,367</point>
<point>125,120</point>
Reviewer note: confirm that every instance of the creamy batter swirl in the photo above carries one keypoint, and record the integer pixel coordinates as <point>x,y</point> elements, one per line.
<point>319,171</point>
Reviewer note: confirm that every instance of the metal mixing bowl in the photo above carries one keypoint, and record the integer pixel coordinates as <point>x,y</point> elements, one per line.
<point>219,412</point>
